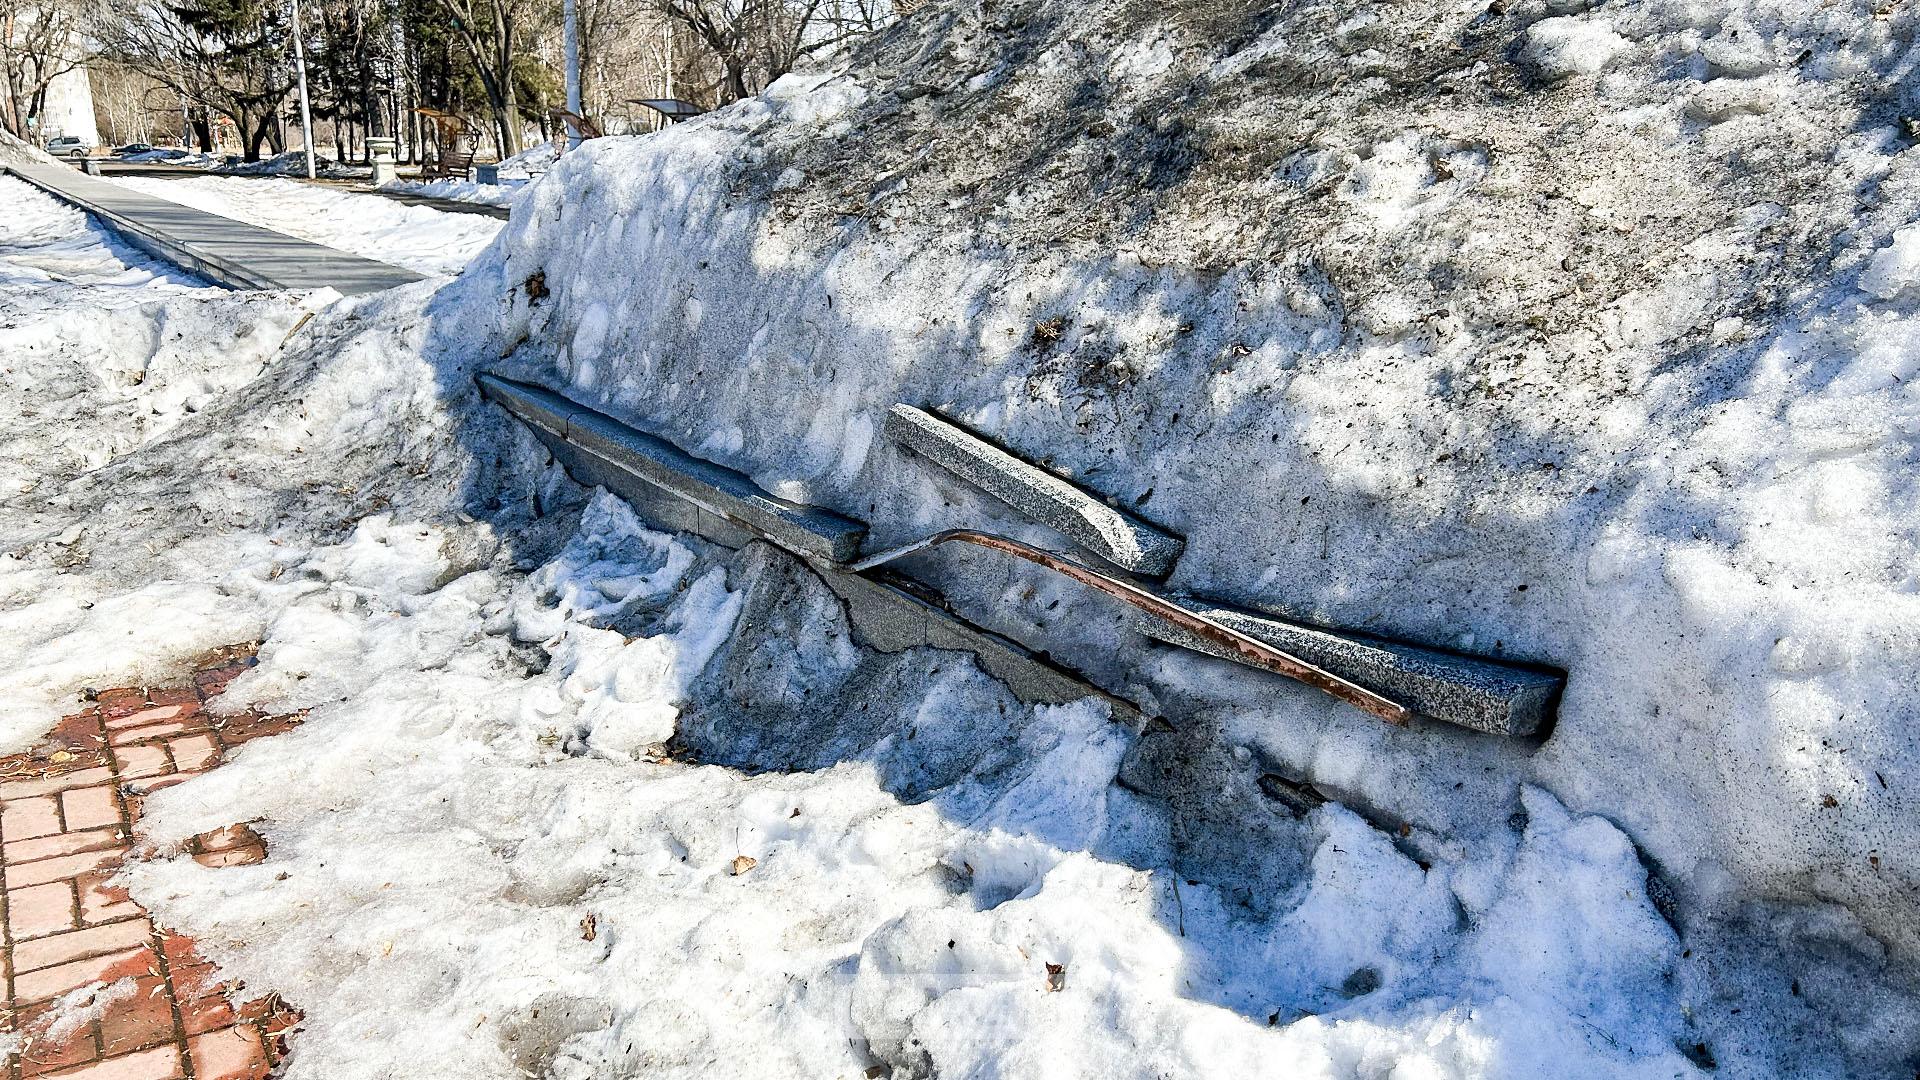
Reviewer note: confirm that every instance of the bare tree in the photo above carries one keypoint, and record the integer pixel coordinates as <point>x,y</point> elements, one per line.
<point>40,40</point>
<point>754,42</point>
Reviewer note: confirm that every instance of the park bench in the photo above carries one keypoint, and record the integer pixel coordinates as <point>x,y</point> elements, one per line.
<point>448,165</point>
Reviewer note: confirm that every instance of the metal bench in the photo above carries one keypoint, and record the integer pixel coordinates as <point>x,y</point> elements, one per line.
<point>449,165</point>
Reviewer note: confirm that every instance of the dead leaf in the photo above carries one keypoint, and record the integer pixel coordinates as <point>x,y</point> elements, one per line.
<point>1056,978</point>
<point>589,928</point>
<point>743,863</point>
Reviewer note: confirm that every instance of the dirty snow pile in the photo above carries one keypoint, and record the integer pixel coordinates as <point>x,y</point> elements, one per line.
<point>512,877</point>
<point>514,174</point>
<point>578,798</point>
<point>170,156</point>
<point>416,237</point>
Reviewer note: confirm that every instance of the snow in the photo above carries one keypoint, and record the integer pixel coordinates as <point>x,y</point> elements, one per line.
<point>171,156</point>
<point>515,173</point>
<point>294,163</point>
<point>553,718</point>
<point>501,194</point>
<point>1566,46</point>
<point>1608,372</point>
<point>1895,268</point>
<point>903,899</point>
<point>1583,336</point>
<point>416,237</point>
<point>532,161</point>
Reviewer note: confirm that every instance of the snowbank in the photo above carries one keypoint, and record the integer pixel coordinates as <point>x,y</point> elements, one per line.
<point>578,798</point>
<point>896,889</point>
<point>1531,331</point>
<point>532,161</point>
<point>171,156</point>
<point>294,163</point>
<point>501,194</point>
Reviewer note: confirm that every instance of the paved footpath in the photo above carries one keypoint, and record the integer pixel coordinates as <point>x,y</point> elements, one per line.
<point>233,253</point>
<point>67,815</point>
<point>358,187</point>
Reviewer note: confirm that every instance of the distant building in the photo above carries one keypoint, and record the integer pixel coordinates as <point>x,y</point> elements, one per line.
<point>69,108</point>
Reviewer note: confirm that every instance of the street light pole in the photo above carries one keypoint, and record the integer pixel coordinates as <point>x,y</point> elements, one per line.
<point>667,27</point>
<point>570,44</point>
<point>306,109</point>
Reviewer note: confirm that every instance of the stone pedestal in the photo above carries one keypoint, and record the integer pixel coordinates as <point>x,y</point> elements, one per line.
<point>382,153</point>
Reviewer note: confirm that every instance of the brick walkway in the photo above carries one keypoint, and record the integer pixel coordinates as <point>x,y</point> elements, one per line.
<point>66,814</point>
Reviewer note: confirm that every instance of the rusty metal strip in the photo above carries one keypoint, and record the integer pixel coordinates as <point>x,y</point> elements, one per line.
<point>1251,650</point>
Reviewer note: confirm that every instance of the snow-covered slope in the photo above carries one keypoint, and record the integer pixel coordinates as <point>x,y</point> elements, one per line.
<point>1578,334</point>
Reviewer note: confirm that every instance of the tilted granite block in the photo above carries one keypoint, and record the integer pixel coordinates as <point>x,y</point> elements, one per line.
<point>1484,695</point>
<point>609,450</point>
<point>1114,535</point>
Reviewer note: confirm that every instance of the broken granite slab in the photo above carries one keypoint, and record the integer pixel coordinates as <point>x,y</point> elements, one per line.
<point>675,490</point>
<point>1114,535</point>
<point>607,449</point>
<point>1484,695</point>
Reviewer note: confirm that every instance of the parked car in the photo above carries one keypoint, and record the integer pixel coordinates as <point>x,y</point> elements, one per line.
<point>133,148</point>
<point>69,146</point>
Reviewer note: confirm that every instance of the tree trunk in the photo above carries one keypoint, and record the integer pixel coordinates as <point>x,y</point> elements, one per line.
<point>9,109</point>
<point>253,135</point>
<point>736,80</point>
<point>509,94</point>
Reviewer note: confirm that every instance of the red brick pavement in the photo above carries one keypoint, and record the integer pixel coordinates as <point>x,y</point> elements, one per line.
<point>67,810</point>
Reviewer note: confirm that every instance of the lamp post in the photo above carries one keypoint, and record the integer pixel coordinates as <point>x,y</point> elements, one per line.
<point>570,43</point>
<point>306,109</point>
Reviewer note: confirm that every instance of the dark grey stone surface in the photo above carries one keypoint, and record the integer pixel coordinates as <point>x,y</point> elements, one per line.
<point>1484,695</point>
<point>608,448</point>
<point>222,250</point>
<point>1114,535</point>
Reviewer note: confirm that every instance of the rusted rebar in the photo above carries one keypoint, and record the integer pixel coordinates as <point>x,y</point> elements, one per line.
<point>1252,650</point>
